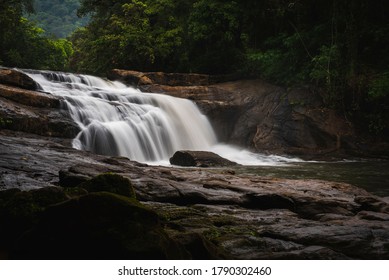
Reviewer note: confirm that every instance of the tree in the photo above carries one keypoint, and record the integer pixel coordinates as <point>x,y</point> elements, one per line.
<point>23,44</point>
<point>214,26</point>
<point>133,34</point>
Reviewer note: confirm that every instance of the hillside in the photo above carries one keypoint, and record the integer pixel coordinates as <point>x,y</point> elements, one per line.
<point>57,17</point>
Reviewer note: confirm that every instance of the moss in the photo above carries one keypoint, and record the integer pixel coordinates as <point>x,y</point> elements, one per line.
<point>109,182</point>
<point>5,123</point>
<point>20,210</point>
<point>98,226</point>
<point>212,233</point>
<point>223,220</point>
<point>75,192</point>
<point>6,195</point>
<point>175,213</point>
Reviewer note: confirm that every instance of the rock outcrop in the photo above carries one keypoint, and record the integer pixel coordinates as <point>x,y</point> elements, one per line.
<point>16,78</point>
<point>257,115</point>
<point>199,159</point>
<point>32,111</point>
<point>98,225</point>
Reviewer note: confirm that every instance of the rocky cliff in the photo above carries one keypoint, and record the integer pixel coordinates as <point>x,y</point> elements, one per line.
<point>260,116</point>
<point>61,203</point>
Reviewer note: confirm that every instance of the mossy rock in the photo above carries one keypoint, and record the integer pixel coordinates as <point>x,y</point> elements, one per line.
<point>6,195</point>
<point>20,210</point>
<point>75,192</point>
<point>69,179</point>
<point>98,226</point>
<point>109,182</point>
<point>199,247</point>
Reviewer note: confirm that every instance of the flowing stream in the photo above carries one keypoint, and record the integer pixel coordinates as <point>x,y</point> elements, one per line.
<point>122,121</point>
<point>119,120</point>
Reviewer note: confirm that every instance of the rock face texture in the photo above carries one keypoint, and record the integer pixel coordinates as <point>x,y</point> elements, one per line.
<point>28,110</point>
<point>194,212</point>
<point>260,116</point>
<point>15,78</point>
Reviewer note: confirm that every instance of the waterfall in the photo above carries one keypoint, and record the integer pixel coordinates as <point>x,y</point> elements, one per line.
<point>119,120</point>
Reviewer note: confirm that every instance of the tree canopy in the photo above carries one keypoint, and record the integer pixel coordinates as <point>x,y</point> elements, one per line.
<point>23,44</point>
<point>57,17</point>
<point>338,46</point>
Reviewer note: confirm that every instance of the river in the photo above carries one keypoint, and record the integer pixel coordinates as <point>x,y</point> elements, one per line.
<point>372,175</point>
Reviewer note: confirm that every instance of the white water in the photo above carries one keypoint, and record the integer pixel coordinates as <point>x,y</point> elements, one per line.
<point>146,127</point>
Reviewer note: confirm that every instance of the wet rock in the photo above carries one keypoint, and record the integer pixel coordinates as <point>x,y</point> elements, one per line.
<point>199,159</point>
<point>109,182</point>
<point>98,226</point>
<point>268,201</point>
<point>146,78</point>
<point>370,203</point>
<point>69,179</point>
<point>24,108</point>
<point>29,98</point>
<point>35,113</point>
<point>133,78</point>
<point>202,211</point>
<point>19,211</point>
<point>199,247</point>
<point>16,78</point>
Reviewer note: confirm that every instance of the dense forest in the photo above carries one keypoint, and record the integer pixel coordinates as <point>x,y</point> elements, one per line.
<point>57,17</point>
<point>337,47</point>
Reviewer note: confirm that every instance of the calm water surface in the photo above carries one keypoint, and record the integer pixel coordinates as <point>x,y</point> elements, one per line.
<point>370,175</point>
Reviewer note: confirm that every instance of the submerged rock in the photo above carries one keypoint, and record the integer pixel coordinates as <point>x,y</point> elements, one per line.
<point>199,159</point>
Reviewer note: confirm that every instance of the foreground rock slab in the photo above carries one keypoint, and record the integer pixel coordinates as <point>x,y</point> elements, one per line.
<point>212,213</point>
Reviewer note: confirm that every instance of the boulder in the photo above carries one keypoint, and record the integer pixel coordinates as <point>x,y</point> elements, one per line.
<point>109,182</point>
<point>20,210</point>
<point>98,226</point>
<point>15,78</point>
<point>199,159</point>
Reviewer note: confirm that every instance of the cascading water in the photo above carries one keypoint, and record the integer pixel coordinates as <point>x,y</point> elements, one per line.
<point>118,120</point>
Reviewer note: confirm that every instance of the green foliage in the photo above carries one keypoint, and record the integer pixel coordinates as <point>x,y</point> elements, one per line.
<point>214,26</point>
<point>58,17</point>
<point>379,87</point>
<point>326,72</point>
<point>5,122</point>
<point>160,35</point>
<point>23,44</point>
<point>377,104</point>
<point>334,45</point>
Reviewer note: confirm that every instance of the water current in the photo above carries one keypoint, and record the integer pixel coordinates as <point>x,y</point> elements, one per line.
<point>118,120</point>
